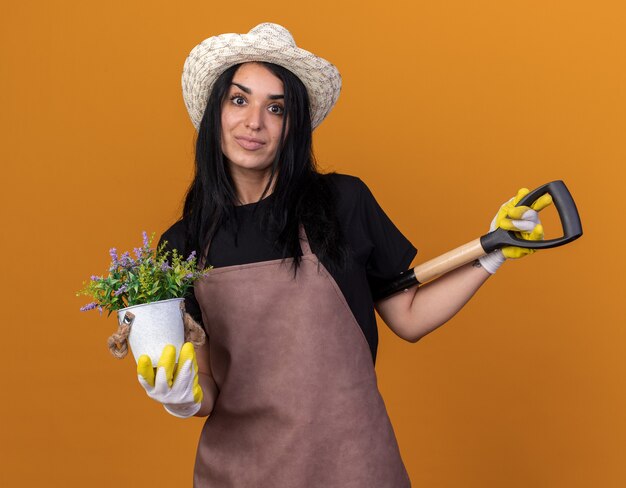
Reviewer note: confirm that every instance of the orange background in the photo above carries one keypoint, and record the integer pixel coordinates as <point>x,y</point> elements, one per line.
<point>447,109</point>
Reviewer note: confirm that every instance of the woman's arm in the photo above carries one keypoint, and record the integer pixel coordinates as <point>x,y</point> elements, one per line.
<point>205,380</point>
<point>416,312</point>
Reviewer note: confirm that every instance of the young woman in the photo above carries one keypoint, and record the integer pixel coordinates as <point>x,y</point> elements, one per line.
<point>286,374</point>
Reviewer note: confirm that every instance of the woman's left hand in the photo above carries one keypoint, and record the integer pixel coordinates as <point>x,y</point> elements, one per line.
<point>524,220</point>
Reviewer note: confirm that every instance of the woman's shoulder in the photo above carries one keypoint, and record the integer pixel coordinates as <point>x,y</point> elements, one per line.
<point>174,235</point>
<point>343,180</point>
<point>347,187</point>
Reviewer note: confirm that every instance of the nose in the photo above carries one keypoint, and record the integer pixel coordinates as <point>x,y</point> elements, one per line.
<point>254,118</point>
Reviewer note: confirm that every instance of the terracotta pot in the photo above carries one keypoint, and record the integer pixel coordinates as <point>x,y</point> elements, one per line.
<point>153,326</point>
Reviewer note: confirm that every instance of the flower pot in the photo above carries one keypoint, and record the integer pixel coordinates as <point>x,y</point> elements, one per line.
<point>153,326</point>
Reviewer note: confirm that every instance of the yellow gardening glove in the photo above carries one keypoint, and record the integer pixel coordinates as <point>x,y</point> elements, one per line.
<point>524,220</point>
<point>176,384</point>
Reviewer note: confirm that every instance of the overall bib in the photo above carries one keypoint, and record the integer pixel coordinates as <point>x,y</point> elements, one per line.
<point>298,403</point>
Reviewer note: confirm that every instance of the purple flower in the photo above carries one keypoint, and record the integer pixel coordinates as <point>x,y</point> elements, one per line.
<point>113,253</point>
<point>138,252</point>
<point>95,278</point>
<point>191,256</point>
<point>165,266</point>
<point>100,309</point>
<point>120,290</point>
<point>126,260</point>
<point>188,276</point>
<point>146,244</point>
<point>89,306</point>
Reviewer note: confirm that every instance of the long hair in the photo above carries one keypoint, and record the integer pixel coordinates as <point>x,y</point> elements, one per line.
<point>301,193</point>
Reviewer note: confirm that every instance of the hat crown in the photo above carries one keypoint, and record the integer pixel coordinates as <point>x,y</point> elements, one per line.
<point>273,32</point>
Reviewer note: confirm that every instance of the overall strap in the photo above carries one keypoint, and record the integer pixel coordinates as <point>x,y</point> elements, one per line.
<point>205,254</point>
<point>304,242</point>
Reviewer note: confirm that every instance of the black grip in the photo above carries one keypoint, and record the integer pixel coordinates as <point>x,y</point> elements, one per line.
<point>568,214</point>
<point>383,289</point>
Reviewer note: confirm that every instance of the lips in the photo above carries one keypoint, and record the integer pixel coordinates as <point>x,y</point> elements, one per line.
<point>249,143</point>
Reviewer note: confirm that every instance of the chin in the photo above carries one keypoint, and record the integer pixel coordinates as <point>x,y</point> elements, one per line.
<point>251,165</point>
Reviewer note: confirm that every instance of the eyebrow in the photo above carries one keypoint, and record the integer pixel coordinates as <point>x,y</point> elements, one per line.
<point>249,92</point>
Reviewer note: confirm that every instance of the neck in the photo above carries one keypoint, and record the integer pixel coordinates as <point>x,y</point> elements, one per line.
<point>250,184</point>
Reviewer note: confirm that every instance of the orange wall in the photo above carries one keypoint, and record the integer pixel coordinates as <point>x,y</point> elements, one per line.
<point>447,108</point>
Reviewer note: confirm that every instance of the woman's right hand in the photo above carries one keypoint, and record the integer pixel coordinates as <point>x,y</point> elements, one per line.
<point>175,384</point>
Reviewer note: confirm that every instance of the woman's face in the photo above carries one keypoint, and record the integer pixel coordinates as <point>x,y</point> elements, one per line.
<point>252,118</point>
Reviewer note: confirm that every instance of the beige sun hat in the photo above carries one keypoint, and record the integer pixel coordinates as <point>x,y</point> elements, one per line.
<point>265,42</point>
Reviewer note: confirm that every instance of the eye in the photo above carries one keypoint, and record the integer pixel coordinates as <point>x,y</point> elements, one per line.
<point>276,109</point>
<point>238,100</point>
